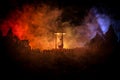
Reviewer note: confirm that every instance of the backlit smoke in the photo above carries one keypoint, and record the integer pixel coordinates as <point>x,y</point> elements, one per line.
<point>38,25</point>
<point>94,23</point>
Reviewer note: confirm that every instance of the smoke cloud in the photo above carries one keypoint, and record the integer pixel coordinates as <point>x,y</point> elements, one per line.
<point>39,23</point>
<point>94,23</point>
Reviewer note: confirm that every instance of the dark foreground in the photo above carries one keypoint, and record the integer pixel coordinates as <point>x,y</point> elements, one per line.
<point>73,64</point>
<point>98,60</point>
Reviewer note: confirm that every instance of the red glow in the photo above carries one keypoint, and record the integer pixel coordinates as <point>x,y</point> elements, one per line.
<point>33,24</point>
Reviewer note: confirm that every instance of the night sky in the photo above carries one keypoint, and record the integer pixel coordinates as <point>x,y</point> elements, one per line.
<point>82,6</point>
<point>77,8</point>
<point>111,6</point>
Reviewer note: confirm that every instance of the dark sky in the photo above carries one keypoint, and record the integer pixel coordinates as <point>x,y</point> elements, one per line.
<point>111,7</point>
